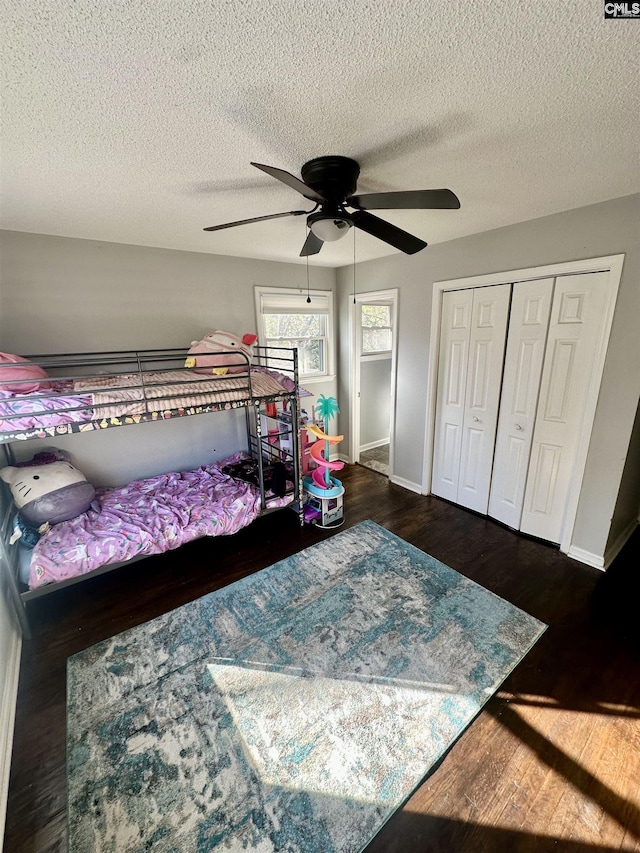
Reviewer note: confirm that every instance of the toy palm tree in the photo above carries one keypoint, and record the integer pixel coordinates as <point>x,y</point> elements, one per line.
<point>327,408</point>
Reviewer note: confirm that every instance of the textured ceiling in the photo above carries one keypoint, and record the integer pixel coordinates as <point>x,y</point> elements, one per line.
<point>136,121</point>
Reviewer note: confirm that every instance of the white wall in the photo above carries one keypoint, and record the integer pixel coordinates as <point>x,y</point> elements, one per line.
<point>64,295</point>
<point>604,229</point>
<point>59,293</point>
<point>624,519</point>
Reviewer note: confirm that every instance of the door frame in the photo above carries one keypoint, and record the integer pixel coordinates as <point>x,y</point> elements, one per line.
<point>390,295</point>
<point>612,265</point>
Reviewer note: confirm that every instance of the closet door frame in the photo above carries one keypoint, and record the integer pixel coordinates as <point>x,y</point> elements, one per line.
<point>612,265</point>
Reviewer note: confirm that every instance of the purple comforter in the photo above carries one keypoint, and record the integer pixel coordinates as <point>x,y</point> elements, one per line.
<point>145,517</point>
<point>24,412</point>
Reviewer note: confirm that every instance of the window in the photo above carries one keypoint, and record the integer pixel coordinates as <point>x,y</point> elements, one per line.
<point>286,319</point>
<point>376,324</point>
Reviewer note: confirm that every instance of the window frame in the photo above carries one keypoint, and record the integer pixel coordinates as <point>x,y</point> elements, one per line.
<point>289,295</point>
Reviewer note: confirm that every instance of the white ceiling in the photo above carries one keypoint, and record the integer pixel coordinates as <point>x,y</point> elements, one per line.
<point>135,122</point>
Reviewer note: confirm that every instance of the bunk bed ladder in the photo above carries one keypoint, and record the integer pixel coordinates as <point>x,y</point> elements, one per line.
<point>256,439</point>
<point>297,450</point>
<point>259,454</point>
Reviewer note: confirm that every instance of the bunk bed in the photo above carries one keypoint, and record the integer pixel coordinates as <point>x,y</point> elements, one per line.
<point>89,392</point>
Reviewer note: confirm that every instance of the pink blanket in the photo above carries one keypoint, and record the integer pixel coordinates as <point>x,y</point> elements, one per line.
<point>145,517</point>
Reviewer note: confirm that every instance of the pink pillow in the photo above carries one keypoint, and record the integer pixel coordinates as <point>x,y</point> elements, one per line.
<point>27,372</point>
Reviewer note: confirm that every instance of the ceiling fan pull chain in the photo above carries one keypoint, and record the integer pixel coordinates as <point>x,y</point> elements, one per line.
<point>354,266</point>
<point>308,294</point>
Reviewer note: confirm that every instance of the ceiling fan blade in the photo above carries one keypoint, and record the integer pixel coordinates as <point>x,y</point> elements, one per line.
<point>387,232</point>
<point>255,219</point>
<point>312,245</point>
<point>291,181</point>
<point>406,200</point>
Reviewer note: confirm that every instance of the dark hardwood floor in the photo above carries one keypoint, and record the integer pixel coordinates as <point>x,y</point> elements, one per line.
<point>551,763</point>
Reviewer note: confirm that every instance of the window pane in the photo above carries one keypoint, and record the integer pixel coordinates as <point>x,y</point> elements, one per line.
<point>310,352</point>
<point>376,340</point>
<point>285,318</point>
<point>295,325</point>
<point>376,315</point>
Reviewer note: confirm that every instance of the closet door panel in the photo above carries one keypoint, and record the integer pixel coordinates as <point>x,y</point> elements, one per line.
<point>484,375</point>
<point>528,326</point>
<point>452,377</point>
<point>578,304</point>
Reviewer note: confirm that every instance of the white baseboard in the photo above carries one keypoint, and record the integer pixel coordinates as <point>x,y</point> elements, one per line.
<point>406,484</point>
<point>614,549</point>
<point>7,720</point>
<point>595,560</point>
<point>584,556</point>
<point>372,444</point>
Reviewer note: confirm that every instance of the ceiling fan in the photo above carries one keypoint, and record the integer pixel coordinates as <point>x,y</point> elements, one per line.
<point>330,182</point>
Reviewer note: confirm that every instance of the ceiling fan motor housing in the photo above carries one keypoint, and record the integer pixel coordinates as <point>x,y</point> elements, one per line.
<point>334,177</point>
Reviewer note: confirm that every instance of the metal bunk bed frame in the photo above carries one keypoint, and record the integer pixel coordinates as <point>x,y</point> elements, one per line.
<point>138,363</point>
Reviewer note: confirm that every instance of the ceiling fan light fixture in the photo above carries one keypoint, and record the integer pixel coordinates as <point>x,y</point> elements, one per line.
<point>330,228</point>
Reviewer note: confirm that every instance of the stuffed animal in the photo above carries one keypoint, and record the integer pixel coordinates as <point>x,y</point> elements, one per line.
<point>229,353</point>
<point>46,490</point>
<point>23,377</point>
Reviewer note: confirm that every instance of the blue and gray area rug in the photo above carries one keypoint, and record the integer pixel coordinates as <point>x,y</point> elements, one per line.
<point>294,710</point>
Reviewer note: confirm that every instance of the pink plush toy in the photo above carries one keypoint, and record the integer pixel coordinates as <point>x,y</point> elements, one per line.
<point>227,353</point>
<point>18,368</point>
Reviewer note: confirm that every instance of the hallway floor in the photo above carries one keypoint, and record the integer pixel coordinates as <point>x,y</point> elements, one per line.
<point>377,459</point>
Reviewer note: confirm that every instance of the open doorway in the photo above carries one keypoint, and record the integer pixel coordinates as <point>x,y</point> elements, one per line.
<point>374,386</point>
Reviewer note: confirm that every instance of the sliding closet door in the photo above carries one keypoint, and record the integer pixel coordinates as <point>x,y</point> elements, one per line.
<point>455,330</point>
<point>574,332</point>
<point>528,325</point>
<point>472,337</point>
<point>482,398</point>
